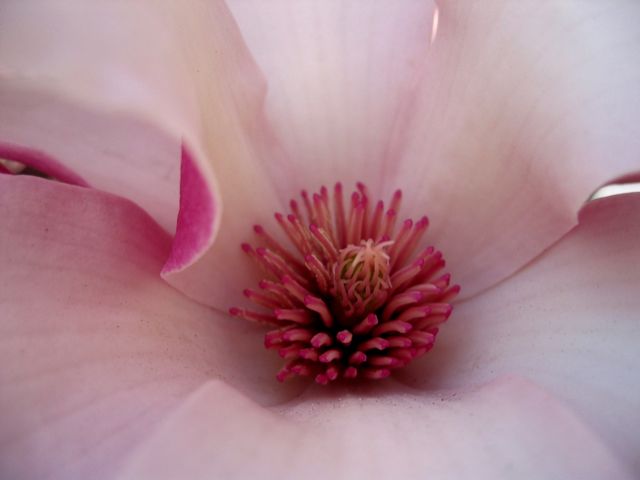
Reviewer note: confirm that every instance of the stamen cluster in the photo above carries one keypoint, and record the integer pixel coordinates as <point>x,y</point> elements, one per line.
<point>349,301</point>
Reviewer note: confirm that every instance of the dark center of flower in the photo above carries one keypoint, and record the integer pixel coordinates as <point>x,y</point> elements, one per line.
<point>351,301</point>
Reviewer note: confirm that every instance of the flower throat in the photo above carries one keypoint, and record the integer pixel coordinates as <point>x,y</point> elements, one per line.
<point>351,299</point>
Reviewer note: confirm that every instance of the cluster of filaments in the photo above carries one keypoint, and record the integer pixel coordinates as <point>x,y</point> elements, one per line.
<point>352,300</point>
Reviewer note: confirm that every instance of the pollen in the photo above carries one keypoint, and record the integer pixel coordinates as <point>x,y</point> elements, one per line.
<point>352,294</point>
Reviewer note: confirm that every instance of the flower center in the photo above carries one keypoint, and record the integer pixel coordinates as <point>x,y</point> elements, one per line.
<point>351,300</point>
<point>361,279</point>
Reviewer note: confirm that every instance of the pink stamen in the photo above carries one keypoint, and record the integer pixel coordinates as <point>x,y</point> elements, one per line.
<point>316,267</point>
<point>395,201</point>
<point>401,300</point>
<point>403,276</point>
<point>374,230</point>
<point>252,316</point>
<point>421,338</point>
<point>290,352</point>
<point>319,268</point>
<point>357,358</point>
<point>328,248</point>
<point>399,342</point>
<point>261,299</point>
<point>414,313</point>
<point>362,188</point>
<point>332,372</point>
<point>341,225</point>
<point>374,344</point>
<point>324,193</point>
<point>307,206</point>
<point>431,265</point>
<point>320,340</point>
<point>295,209</point>
<point>344,337</point>
<point>354,230</point>
<point>428,290</point>
<point>443,281</point>
<point>310,354</point>
<point>440,308</point>
<point>317,305</point>
<point>366,325</point>
<point>306,244</point>
<point>348,298</point>
<point>321,204</point>
<point>376,373</point>
<point>403,354</point>
<point>396,326</point>
<point>301,369</point>
<point>273,338</point>
<point>384,361</point>
<point>330,355</point>
<point>401,239</point>
<point>296,315</point>
<point>364,194</point>
<point>294,288</point>
<point>409,245</point>
<point>293,235</point>
<point>297,335</point>
<point>350,372</point>
<point>284,374</point>
<point>274,245</point>
<point>278,291</point>
<point>277,265</point>
<point>450,294</point>
<point>389,223</point>
<point>430,321</point>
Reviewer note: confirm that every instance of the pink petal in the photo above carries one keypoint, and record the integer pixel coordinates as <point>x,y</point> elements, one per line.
<point>508,429</point>
<point>81,83</point>
<point>339,74</point>
<point>569,321</point>
<point>94,347</point>
<point>41,162</point>
<point>197,215</point>
<point>525,108</point>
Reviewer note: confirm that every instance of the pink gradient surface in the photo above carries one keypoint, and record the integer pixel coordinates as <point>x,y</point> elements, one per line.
<point>195,217</point>
<point>42,162</point>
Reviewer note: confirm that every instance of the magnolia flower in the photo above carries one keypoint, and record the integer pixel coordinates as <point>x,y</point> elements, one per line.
<point>495,118</point>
